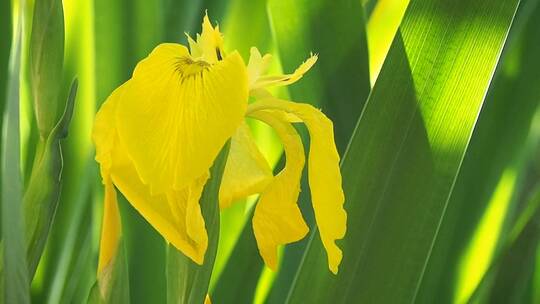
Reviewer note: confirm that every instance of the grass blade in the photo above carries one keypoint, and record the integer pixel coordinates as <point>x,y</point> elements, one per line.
<point>406,151</point>
<point>15,280</point>
<point>495,156</point>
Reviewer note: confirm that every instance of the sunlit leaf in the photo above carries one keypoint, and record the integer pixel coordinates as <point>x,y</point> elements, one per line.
<point>404,156</point>
<point>382,26</point>
<point>509,276</point>
<point>470,232</point>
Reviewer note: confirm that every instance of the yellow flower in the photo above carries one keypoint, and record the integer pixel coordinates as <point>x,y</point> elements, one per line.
<point>158,134</point>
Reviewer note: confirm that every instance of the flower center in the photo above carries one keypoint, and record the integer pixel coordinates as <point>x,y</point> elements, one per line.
<point>187,66</point>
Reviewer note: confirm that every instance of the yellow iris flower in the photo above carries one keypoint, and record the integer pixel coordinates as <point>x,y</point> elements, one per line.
<point>158,134</point>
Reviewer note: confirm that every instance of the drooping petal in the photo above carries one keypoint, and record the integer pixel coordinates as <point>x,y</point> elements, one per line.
<point>103,135</point>
<point>104,130</point>
<point>176,114</point>
<point>287,79</point>
<point>169,213</point>
<point>247,172</point>
<point>111,229</point>
<point>175,215</point>
<point>190,196</point>
<point>323,173</point>
<point>277,219</point>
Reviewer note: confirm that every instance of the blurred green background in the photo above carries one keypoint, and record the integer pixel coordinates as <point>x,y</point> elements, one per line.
<point>441,174</point>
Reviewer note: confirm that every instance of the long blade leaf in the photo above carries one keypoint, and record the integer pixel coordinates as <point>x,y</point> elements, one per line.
<point>494,157</point>
<point>15,280</point>
<point>406,151</point>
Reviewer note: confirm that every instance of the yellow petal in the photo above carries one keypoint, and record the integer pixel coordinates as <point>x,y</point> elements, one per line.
<point>323,173</point>
<point>247,172</point>
<point>169,213</point>
<point>104,136</point>
<point>190,197</point>
<point>287,79</point>
<point>277,219</point>
<point>175,215</point>
<point>176,114</point>
<point>111,229</point>
<point>104,130</point>
<point>257,65</point>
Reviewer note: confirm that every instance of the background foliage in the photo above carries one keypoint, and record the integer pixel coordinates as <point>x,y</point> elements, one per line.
<point>434,104</point>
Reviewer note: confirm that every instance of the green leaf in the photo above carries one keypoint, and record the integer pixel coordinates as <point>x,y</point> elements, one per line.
<point>238,280</point>
<point>63,277</point>
<point>511,272</point>
<point>241,33</point>
<point>514,273</point>
<point>112,42</point>
<point>494,157</point>
<point>406,151</point>
<point>182,17</point>
<point>15,284</point>
<point>508,278</point>
<point>188,282</point>
<point>43,191</point>
<point>147,275</point>
<point>46,62</point>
